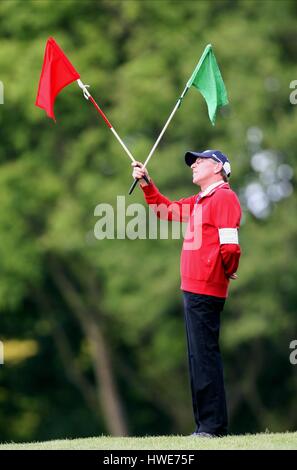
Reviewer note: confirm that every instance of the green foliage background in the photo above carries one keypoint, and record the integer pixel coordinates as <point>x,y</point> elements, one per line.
<point>137,57</point>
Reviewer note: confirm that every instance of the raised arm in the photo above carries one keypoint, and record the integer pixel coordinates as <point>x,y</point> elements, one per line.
<point>163,207</point>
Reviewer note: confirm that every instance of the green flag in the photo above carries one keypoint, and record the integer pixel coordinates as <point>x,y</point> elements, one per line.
<point>208,80</point>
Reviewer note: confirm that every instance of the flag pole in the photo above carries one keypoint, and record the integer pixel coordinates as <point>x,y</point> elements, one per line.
<point>178,103</point>
<point>88,96</point>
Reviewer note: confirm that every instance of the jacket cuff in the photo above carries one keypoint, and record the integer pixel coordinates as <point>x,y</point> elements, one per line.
<point>150,189</point>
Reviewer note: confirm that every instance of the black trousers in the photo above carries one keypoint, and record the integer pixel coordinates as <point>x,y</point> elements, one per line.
<point>202,318</point>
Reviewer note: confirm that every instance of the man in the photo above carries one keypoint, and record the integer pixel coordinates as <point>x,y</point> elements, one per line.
<point>206,270</point>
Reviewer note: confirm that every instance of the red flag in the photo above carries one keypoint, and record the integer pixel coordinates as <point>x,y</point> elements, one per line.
<point>57,72</point>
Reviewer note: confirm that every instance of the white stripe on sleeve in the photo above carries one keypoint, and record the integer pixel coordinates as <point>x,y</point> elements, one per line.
<point>228,235</point>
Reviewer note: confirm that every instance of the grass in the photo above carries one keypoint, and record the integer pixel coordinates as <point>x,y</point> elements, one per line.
<point>270,441</point>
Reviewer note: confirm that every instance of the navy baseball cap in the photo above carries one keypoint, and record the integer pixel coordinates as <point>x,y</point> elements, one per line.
<point>191,157</point>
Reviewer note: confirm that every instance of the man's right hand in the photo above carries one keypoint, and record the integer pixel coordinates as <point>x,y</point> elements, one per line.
<point>139,171</point>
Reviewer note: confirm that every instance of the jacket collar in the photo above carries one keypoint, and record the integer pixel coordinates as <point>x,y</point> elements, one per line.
<point>212,188</point>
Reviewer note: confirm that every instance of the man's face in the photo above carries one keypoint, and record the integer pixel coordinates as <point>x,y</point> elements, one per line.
<point>204,169</point>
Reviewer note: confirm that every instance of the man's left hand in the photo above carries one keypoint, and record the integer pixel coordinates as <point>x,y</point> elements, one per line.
<point>233,276</point>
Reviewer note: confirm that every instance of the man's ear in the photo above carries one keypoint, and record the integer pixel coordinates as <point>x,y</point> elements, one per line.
<point>218,168</point>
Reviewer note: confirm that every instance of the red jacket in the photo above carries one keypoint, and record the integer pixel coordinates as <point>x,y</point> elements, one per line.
<point>211,250</point>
